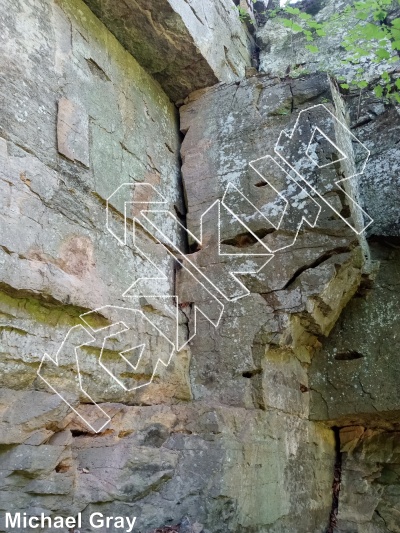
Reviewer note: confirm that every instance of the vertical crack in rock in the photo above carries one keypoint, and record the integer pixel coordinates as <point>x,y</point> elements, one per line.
<point>256,374</point>
<point>337,477</point>
<point>242,433</point>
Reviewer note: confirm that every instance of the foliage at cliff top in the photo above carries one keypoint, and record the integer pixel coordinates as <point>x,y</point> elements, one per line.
<point>373,31</point>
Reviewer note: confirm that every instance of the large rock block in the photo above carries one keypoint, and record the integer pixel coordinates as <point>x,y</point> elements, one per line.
<point>356,374</point>
<point>313,273</point>
<point>377,124</point>
<point>185,45</point>
<point>229,469</point>
<point>86,120</point>
<point>370,470</point>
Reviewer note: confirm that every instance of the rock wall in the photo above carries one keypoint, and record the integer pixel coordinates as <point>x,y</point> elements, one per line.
<point>256,422</point>
<point>353,378</point>
<point>185,45</point>
<point>262,362</point>
<point>102,121</point>
<point>284,53</point>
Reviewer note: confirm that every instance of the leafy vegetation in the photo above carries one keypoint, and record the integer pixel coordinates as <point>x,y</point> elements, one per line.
<point>373,35</point>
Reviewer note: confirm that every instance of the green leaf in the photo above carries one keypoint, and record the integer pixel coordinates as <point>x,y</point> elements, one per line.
<point>395,33</point>
<point>385,76</point>
<point>397,83</point>
<point>396,45</point>
<point>345,86</point>
<point>296,27</point>
<point>380,15</point>
<point>292,10</point>
<point>312,48</point>
<point>362,84</point>
<point>378,90</point>
<point>396,22</point>
<point>314,25</point>
<point>382,54</point>
<point>305,16</point>
<point>321,33</point>
<point>397,97</point>
<point>292,25</point>
<point>370,31</point>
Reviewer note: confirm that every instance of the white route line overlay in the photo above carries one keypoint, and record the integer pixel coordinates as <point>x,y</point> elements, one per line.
<point>353,137</point>
<point>176,345</point>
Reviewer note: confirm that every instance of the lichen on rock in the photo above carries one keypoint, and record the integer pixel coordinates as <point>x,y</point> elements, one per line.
<point>280,414</point>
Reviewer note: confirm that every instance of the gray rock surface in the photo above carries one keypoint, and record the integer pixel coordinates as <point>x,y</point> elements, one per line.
<point>184,44</point>
<point>376,123</point>
<point>225,468</point>
<point>262,363</point>
<point>232,435</point>
<point>57,259</point>
<point>378,126</point>
<point>356,374</point>
<point>369,495</point>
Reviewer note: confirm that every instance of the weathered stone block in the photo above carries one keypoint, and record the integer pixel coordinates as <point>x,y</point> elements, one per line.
<point>184,45</point>
<point>314,273</point>
<point>356,374</point>
<point>369,495</point>
<point>73,131</point>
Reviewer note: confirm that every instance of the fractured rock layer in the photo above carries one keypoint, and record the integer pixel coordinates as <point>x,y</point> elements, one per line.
<point>236,433</point>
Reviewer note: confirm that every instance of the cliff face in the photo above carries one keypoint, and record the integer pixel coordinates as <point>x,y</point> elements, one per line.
<point>283,52</point>
<point>267,399</point>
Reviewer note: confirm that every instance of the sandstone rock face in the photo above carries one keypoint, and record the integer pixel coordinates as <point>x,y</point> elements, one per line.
<point>378,126</point>
<point>252,421</point>
<point>357,373</point>
<point>300,293</point>
<point>353,378</point>
<point>283,53</point>
<point>369,496</point>
<point>185,45</point>
<point>354,382</point>
<point>226,466</point>
<point>57,259</point>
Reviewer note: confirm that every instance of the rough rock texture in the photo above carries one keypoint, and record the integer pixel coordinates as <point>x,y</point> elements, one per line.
<point>354,377</point>
<point>262,363</point>
<point>283,53</point>
<point>184,44</point>
<point>227,467</point>
<point>369,495</point>
<point>114,125</point>
<point>243,431</point>
<point>357,371</point>
<point>354,382</point>
<point>289,280</point>
<point>378,126</point>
